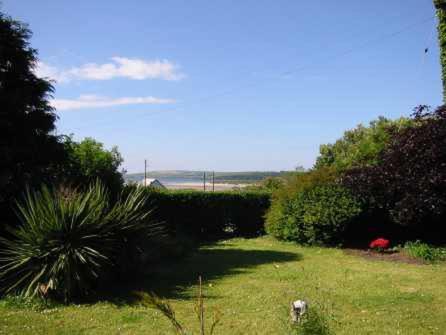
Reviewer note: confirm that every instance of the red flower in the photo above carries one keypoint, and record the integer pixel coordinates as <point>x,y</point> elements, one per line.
<point>380,243</point>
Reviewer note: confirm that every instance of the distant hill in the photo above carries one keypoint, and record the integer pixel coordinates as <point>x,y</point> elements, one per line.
<point>220,177</point>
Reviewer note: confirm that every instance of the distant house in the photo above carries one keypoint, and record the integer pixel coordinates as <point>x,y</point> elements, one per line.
<point>154,183</point>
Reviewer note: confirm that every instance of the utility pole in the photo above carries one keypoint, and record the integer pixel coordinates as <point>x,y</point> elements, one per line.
<point>213,181</point>
<point>145,172</point>
<point>440,6</point>
<point>204,181</point>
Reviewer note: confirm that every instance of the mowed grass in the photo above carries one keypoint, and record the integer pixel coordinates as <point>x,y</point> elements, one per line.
<point>251,283</point>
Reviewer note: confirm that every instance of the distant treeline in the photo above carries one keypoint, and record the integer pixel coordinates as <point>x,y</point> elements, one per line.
<point>220,177</point>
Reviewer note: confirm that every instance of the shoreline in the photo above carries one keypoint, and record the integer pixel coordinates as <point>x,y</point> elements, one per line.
<point>199,186</point>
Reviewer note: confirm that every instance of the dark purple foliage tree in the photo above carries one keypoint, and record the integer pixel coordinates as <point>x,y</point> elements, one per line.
<point>409,181</point>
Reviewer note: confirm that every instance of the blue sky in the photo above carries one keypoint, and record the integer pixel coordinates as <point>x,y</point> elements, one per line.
<point>231,85</point>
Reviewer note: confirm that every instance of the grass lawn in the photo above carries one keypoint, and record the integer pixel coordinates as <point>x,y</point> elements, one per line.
<point>251,283</point>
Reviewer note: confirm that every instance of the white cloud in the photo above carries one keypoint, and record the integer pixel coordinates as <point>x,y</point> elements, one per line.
<point>94,101</point>
<point>120,67</point>
<point>44,70</point>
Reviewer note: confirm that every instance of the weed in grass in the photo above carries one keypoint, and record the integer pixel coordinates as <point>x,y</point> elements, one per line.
<point>320,314</point>
<point>314,322</point>
<point>166,309</point>
<point>27,303</point>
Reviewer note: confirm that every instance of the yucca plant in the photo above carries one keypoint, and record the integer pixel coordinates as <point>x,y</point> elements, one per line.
<point>68,238</point>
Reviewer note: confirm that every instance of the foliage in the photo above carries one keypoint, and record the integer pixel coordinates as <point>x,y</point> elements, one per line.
<point>269,184</point>
<point>440,5</point>
<point>67,240</point>
<point>89,161</point>
<point>29,151</point>
<point>272,183</point>
<point>152,300</point>
<point>14,301</point>
<point>209,215</point>
<point>313,323</point>
<point>299,181</point>
<point>311,208</point>
<point>316,215</point>
<point>409,181</point>
<point>360,146</point>
<point>425,251</point>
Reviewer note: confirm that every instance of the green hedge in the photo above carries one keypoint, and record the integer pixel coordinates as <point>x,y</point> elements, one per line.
<point>315,215</point>
<point>209,215</point>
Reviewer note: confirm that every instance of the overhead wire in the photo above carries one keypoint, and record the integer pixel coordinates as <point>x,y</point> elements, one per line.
<point>298,69</point>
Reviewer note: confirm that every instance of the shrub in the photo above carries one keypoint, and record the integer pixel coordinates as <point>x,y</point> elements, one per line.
<point>326,212</point>
<point>409,180</point>
<point>310,208</point>
<point>210,215</point>
<point>425,251</point>
<point>277,223</point>
<point>67,239</point>
<point>315,215</point>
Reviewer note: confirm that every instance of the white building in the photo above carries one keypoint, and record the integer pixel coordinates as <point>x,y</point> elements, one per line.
<point>151,182</point>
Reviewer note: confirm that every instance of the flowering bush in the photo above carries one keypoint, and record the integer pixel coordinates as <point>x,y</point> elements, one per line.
<point>379,244</point>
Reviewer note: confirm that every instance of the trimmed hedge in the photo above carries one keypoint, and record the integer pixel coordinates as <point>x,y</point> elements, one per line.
<point>210,215</point>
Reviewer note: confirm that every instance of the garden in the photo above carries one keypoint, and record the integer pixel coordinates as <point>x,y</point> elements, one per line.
<point>248,285</point>
<point>359,237</point>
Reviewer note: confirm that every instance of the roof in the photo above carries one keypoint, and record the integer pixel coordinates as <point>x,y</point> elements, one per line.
<point>152,182</point>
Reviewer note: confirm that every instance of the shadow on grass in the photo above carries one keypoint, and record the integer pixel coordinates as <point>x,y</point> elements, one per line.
<point>172,280</point>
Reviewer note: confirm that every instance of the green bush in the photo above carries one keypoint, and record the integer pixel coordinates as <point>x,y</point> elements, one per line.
<point>68,239</point>
<point>210,215</point>
<point>280,221</point>
<point>315,215</point>
<point>425,251</point>
<point>88,161</point>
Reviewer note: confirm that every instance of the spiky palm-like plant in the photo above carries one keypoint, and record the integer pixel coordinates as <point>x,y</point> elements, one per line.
<point>67,239</point>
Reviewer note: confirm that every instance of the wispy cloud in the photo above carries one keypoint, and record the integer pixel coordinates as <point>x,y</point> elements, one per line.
<point>94,101</point>
<point>119,67</point>
<point>45,70</point>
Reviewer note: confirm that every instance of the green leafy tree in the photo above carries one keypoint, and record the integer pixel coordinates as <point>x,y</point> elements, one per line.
<point>28,148</point>
<point>89,161</point>
<point>360,146</point>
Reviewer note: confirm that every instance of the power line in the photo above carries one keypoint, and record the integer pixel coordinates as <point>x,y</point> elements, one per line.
<point>332,57</point>
<point>346,52</point>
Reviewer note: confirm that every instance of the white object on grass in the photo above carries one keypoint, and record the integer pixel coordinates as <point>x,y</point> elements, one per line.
<point>298,308</point>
